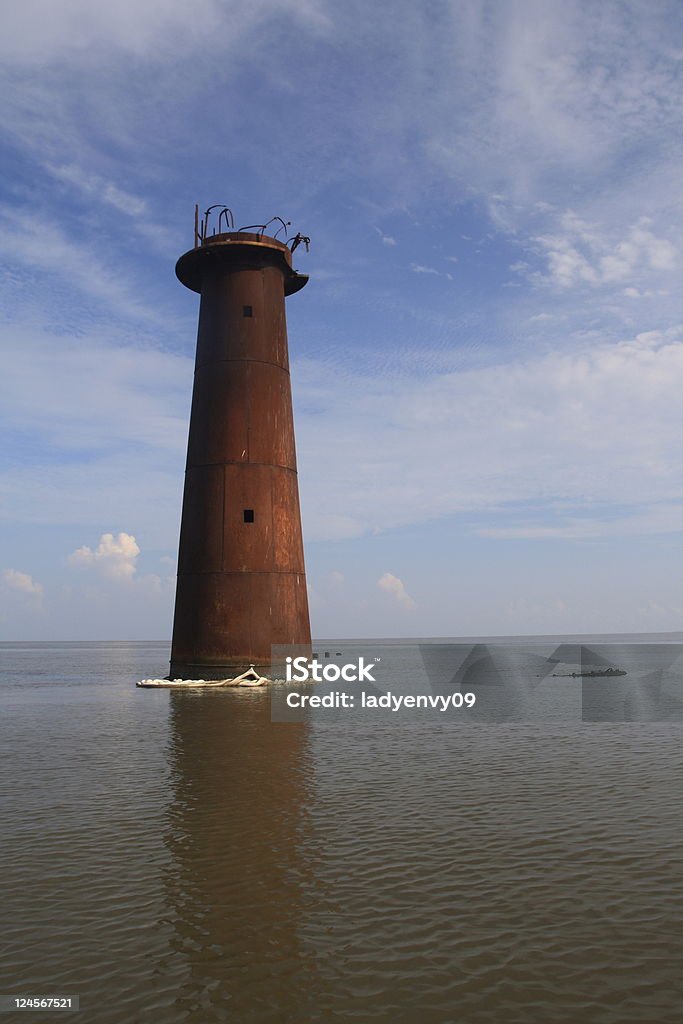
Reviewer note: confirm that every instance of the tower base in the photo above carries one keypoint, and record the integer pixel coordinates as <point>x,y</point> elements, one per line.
<point>194,670</point>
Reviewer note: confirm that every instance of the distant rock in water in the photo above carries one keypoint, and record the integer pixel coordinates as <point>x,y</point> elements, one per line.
<point>592,673</point>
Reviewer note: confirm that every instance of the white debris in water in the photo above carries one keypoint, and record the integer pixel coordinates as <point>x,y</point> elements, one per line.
<point>246,679</point>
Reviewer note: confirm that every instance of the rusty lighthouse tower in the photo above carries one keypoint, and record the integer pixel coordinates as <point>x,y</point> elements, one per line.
<point>241,579</point>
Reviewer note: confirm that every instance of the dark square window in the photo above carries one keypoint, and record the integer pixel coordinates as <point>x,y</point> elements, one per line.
<point>247,311</point>
<point>249,515</point>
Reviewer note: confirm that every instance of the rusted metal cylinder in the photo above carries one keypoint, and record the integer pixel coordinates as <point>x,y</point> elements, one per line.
<point>241,579</point>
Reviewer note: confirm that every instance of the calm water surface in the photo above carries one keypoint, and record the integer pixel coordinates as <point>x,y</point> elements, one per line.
<point>176,857</point>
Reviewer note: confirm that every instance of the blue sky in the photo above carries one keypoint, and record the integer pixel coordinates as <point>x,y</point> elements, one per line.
<point>487,361</point>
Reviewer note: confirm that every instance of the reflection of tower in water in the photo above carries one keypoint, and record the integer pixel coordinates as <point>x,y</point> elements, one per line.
<point>241,844</point>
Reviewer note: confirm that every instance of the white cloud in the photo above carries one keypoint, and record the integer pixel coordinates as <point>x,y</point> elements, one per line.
<point>565,431</point>
<point>114,556</point>
<point>95,396</point>
<point>395,587</point>
<point>417,268</point>
<point>583,253</point>
<point>42,30</point>
<point>386,239</point>
<point>540,318</point>
<point>664,517</point>
<point>547,93</point>
<point>25,583</point>
<point>42,245</point>
<point>104,191</point>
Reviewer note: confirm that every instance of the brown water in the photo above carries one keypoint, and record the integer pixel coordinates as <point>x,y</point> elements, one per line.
<point>177,857</point>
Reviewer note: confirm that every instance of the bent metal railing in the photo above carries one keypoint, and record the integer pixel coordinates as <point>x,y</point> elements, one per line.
<point>202,226</point>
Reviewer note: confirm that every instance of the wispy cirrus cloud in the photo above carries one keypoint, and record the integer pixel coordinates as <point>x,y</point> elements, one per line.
<point>98,394</point>
<point>561,431</point>
<point>386,239</point>
<point>418,268</point>
<point>40,30</point>
<point>99,188</point>
<point>42,245</point>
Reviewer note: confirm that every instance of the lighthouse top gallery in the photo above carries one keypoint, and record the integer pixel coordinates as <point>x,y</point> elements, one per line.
<point>241,580</point>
